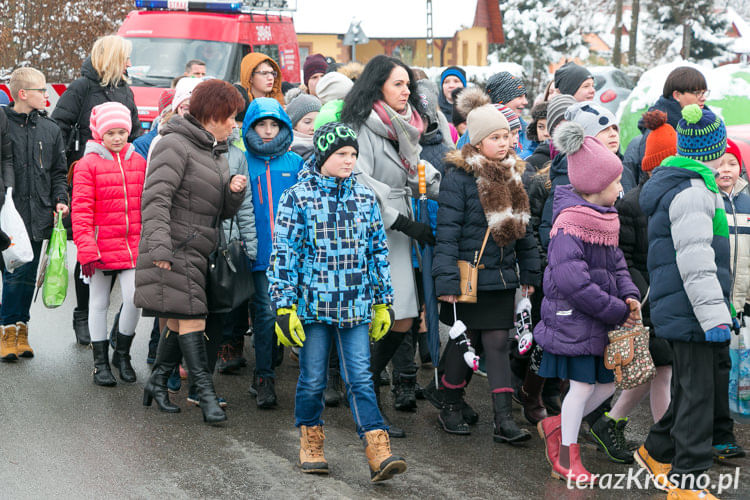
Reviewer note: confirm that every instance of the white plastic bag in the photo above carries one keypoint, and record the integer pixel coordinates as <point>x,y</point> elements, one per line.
<point>19,252</point>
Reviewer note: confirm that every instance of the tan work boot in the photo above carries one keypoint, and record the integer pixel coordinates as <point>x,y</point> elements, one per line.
<point>23,349</point>
<point>8,351</point>
<point>311,458</point>
<point>383,464</point>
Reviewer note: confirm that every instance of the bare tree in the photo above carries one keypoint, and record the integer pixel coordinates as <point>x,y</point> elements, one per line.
<point>617,50</point>
<point>633,38</point>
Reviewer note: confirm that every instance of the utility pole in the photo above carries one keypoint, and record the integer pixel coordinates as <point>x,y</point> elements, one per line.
<point>430,57</point>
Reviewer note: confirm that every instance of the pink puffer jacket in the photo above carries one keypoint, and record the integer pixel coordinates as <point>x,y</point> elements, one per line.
<point>106,208</point>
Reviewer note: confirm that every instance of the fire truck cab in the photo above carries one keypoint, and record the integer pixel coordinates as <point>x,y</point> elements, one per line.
<point>166,34</point>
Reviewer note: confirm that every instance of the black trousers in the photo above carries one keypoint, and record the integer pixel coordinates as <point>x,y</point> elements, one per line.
<point>698,414</point>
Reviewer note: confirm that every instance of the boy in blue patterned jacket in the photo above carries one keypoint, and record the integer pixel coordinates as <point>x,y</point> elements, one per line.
<point>330,281</point>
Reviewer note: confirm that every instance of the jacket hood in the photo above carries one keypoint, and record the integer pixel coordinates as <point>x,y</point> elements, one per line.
<point>249,63</point>
<point>98,148</point>
<point>17,117</point>
<point>88,71</point>
<point>470,160</point>
<point>265,107</point>
<point>665,178</point>
<point>566,197</point>
<point>259,109</point>
<point>192,130</point>
<point>559,166</point>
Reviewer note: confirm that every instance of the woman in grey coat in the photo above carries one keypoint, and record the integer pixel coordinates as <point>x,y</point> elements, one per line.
<point>383,107</point>
<point>188,191</point>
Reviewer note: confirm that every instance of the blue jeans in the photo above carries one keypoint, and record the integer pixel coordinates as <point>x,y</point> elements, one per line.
<point>353,348</point>
<point>263,326</point>
<point>18,290</point>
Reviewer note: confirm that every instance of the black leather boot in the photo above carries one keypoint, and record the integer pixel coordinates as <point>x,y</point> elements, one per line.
<point>405,395</point>
<point>168,354</point>
<point>102,372</point>
<point>506,429</point>
<point>193,348</point>
<point>451,418</point>
<point>121,357</point>
<point>81,326</point>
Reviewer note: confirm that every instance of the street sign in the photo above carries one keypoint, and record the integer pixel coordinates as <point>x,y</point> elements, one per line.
<point>355,35</point>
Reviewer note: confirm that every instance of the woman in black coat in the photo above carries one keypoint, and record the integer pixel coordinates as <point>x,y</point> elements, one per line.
<point>103,79</point>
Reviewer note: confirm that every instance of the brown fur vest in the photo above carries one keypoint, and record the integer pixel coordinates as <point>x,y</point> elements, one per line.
<point>501,192</point>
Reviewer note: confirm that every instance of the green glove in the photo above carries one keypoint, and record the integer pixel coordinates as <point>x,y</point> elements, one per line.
<point>289,331</point>
<point>382,319</point>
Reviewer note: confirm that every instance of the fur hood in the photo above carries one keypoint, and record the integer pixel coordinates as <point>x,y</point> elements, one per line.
<point>352,70</point>
<point>471,98</point>
<point>501,192</point>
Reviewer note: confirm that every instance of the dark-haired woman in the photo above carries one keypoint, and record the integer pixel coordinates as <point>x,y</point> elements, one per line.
<point>188,190</point>
<point>382,106</point>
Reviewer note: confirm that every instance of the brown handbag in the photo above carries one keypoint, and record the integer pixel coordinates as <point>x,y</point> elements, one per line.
<point>469,273</point>
<point>628,356</point>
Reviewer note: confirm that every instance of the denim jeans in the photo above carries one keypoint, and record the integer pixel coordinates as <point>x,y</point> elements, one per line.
<point>18,289</point>
<point>353,348</point>
<point>263,326</point>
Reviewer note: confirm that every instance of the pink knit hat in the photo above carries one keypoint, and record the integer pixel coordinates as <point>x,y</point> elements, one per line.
<point>107,116</point>
<point>591,166</point>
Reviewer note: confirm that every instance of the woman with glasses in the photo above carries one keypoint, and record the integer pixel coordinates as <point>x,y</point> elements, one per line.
<point>104,79</point>
<point>260,76</point>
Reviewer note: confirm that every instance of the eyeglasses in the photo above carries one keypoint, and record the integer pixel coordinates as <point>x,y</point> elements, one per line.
<point>699,93</point>
<point>43,91</point>
<point>266,73</point>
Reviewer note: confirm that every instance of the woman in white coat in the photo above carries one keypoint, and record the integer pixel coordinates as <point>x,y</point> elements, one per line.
<point>383,107</point>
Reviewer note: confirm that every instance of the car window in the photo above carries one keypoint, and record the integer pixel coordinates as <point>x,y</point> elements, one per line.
<point>599,81</point>
<point>622,80</point>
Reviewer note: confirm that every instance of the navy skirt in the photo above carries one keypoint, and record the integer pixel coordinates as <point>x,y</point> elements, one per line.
<point>588,369</point>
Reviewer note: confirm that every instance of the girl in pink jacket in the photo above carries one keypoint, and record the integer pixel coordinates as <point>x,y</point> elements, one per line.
<point>106,214</point>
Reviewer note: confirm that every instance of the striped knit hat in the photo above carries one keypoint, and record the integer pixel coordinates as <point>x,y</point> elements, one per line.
<point>513,121</point>
<point>701,135</point>
<point>107,116</point>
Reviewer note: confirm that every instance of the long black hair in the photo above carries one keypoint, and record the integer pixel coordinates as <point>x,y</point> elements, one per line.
<point>369,88</point>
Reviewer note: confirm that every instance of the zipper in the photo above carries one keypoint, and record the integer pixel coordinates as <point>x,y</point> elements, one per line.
<point>127,221</point>
<point>260,191</point>
<point>736,248</point>
<point>270,196</point>
<point>502,256</point>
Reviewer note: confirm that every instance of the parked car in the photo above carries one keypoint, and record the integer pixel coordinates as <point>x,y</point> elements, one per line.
<point>612,86</point>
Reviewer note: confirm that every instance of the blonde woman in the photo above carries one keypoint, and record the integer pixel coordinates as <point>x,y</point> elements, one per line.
<point>103,79</point>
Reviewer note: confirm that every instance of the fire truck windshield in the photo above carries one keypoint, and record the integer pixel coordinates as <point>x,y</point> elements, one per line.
<point>156,61</point>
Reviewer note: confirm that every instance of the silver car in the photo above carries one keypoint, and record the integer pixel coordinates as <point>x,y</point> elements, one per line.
<point>612,86</point>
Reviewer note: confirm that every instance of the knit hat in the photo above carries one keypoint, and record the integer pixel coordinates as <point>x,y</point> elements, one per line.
<point>556,108</point>
<point>503,87</point>
<point>333,86</point>
<point>538,112</point>
<point>484,120</point>
<point>661,142</point>
<point>513,121</point>
<point>428,97</point>
<point>701,135</point>
<point>733,148</point>
<point>184,90</point>
<point>331,137</point>
<point>165,100</point>
<point>107,116</point>
<point>300,105</point>
<point>593,117</point>
<point>570,77</point>
<point>314,64</point>
<point>591,166</point>
<point>453,71</point>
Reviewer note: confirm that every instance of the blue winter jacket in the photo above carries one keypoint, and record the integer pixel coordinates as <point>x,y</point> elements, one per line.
<point>272,169</point>
<point>330,256</point>
<point>143,143</point>
<point>688,250</point>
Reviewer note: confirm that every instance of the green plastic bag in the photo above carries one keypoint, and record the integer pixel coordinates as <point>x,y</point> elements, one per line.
<point>55,286</point>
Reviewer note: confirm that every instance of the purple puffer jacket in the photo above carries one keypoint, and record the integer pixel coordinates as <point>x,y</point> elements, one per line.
<point>585,285</point>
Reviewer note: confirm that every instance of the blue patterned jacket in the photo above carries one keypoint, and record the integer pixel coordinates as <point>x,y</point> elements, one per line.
<point>330,253</point>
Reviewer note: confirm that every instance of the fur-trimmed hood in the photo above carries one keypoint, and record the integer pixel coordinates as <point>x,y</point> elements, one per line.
<point>501,191</point>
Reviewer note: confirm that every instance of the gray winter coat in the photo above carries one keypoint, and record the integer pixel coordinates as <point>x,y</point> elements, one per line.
<point>244,221</point>
<point>186,193</point>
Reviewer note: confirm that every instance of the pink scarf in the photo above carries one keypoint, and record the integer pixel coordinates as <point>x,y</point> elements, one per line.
<point>589,225</point>
<point>405,128</point>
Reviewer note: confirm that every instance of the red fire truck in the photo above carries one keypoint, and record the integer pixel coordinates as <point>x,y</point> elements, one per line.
<point>168,33</point>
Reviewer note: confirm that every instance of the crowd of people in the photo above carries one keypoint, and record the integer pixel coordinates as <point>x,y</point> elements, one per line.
<point>318,183</point>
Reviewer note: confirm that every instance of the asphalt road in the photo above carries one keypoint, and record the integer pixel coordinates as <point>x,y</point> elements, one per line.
<point>67,438</point>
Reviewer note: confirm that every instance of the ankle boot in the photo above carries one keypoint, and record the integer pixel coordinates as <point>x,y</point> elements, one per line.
<point>451,418</point>
<point>312,460</point>
<point>121,357</point>
<point>470,416</point>
<point>193,349</point>
<point>9,343</point>
<point>549,431</point>
<point>383,464</point>
<point>506,429</point>
<point>81,326</point>
<point>168,354</point>
<point>102,372</point>
<point>577,472</point>
<point>609,435</point>
<point>393,431</point>
<point>22,342</point>
<point>530,396</point>
<point>405,395</point>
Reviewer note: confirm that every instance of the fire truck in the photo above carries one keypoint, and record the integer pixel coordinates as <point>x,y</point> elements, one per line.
<point>166,34</point>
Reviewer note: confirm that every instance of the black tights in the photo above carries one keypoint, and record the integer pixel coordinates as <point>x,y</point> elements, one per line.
<point>494,345</point>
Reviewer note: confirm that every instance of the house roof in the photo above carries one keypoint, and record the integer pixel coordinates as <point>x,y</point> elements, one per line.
<point>384,18</point>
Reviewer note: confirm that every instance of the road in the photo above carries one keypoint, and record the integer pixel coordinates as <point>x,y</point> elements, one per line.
<point>67,438</point>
